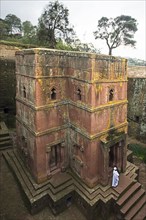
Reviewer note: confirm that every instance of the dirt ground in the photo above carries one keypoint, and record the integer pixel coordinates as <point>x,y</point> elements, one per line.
<point>12,206</point>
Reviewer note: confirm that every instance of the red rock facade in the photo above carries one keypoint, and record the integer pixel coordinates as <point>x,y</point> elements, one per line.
<point>71,113</point>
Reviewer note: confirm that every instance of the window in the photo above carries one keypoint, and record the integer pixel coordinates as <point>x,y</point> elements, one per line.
<point>137,119</point>
<point>79,96</point>
<point>24,92</point>
<point>53,160</point>
<point>55,157</point>
<point>53,94</point>
<point>111,95</point>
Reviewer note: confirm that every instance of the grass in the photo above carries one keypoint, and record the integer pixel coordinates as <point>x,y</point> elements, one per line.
<point>17,44</point>
<point>139,151</point>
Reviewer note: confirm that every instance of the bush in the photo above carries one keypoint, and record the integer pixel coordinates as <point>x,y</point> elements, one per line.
<point>138,150</point>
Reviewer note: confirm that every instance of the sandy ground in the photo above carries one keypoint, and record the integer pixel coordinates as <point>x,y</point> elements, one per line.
<point>12,206</point>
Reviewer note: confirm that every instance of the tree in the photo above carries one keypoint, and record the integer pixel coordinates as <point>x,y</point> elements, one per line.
<point>116,31</point>
<point>28,32</point>
<point>84,47</point>
<point>54,24</point>
<point>14,24</point>
<point>4,29</point>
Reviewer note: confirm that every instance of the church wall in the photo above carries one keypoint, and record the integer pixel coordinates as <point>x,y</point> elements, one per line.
<point>71,111</point>
<point>101,92</point>
<point>44,143</point>
<point>80,118</point>
<point>44,88</point>
<point>84,157</point>
<point>26,115</point>
<point>51,118</point>
<point>26,146</point>
<point>72,91</point>
<point>64,63</point>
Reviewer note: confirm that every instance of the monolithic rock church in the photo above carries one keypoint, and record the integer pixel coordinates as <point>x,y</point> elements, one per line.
<point>71,130</point>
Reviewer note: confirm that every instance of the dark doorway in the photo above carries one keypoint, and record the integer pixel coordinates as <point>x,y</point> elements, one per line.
<point>113,156</point>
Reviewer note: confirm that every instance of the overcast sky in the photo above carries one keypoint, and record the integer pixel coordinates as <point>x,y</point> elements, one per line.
<point>84,15</point>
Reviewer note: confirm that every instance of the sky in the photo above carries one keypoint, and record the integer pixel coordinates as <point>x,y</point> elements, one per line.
<point>84,16</point>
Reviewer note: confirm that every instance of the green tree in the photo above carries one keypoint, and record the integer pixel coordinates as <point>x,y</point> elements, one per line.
<point>28,32</point>
<point>54,24</point>
<point>14,24</point>
<point>116,31</point>
<point>85,47</point>
<point>4,29</point>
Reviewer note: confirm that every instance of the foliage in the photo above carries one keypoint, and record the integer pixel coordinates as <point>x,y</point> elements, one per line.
<point>4,29</point>
<point>138,150</point>
<point>17,44</point>
<point>84,47</point>
<point>54,24</point>
<point>116,31</point>
<point>63,46</point>
<point>14,24</point>
<point>53,30</point>
<point>28,32</point>
<point>136,62</point>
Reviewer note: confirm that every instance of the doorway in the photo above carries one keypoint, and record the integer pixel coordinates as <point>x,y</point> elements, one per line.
<point>113,156</point>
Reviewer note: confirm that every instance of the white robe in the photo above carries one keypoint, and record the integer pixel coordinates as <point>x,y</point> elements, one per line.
<point>115,179</point>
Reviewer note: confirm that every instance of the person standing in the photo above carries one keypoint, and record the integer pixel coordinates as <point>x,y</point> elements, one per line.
<point>115,179</point>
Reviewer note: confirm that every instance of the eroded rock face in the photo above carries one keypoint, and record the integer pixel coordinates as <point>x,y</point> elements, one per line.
<point>7,84</point>
<point>7,91</point>
<point>137,108</point>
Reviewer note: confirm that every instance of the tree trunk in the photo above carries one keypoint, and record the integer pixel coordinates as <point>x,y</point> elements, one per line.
<point>53,40</point>
<point>110,51</point>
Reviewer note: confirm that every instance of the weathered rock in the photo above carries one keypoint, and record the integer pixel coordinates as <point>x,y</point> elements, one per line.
<point>137,108</point>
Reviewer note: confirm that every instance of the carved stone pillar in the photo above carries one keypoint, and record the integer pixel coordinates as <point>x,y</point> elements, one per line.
<point>105,165</point>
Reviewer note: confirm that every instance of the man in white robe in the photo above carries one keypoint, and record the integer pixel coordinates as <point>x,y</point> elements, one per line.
<point>115,179</point>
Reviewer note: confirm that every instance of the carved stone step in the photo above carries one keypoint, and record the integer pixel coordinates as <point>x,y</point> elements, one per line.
<point>141,214</point>
<point>132,201</point>
<point>137,209</point>
<point>122,200</point>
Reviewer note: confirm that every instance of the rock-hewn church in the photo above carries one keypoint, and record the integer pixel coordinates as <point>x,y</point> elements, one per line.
<point>71,129</point>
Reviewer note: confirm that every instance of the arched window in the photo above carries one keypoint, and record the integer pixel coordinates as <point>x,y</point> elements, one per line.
<point>79,95</point>
<point>53,94</point>
<point>24,92</point>
<point>111,95</point>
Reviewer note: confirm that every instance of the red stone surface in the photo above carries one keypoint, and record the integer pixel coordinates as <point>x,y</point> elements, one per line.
<point>88,124</point>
